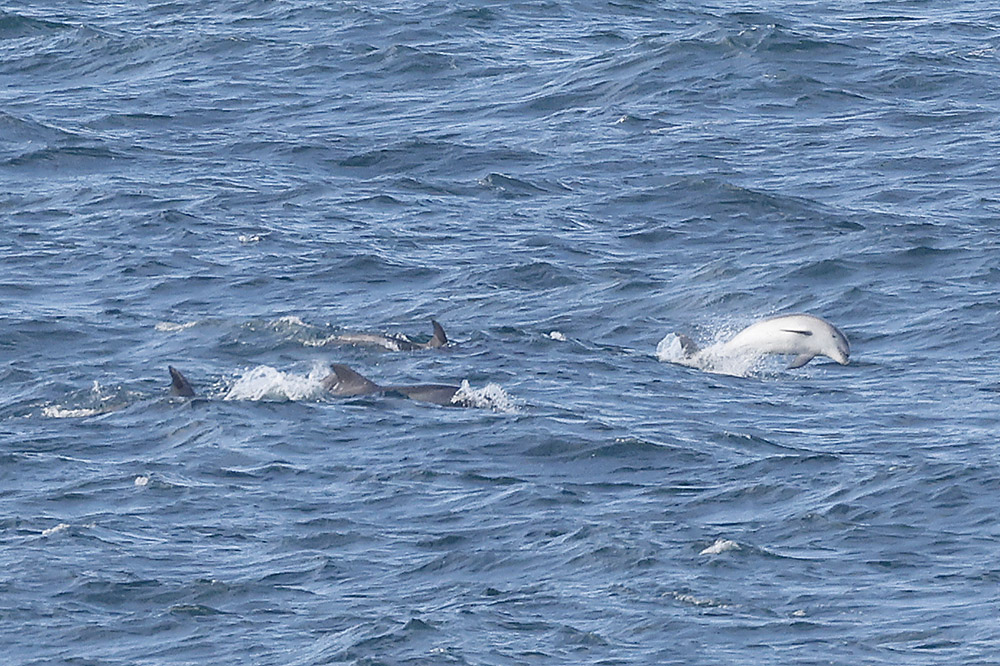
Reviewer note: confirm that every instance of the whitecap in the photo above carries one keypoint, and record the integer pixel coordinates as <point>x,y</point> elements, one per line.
<point>558,336</point>
<point>170,327</point>
<point>54,530</point>
<point>720,546</point>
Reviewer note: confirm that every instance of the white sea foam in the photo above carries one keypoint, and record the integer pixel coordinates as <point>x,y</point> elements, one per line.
<point>267,383</point>
<point>492,396</point>
<point>98,398</point>
<point>720,546</point>
<point>320,342</point>
<point>58,412</point>
<point>556,335</point>
<point>141,481</point>
<point>55,530</point>
<point>170,327</point>
<point>289,320</point>
<point>697,601</point>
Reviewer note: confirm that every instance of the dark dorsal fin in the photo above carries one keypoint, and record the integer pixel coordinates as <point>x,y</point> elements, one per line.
<point>792,330</point>
<point>439,339</point>
<point>344,381</point>
<point>179,385</point>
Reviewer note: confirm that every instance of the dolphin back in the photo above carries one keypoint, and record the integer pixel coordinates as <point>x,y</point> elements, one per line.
<point>438,394</point>
<point>346,382</point>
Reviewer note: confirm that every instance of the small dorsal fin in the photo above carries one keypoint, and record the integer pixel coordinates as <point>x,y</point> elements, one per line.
<point>344,381</point>
<point>439,339</point>
<point>179,385</point>
<point>792,330</point>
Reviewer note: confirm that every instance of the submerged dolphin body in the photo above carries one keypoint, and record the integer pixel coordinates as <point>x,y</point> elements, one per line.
<point>394,342</point>
<point>346,382</point>
<point>802,335</point>
<point>179,385</point>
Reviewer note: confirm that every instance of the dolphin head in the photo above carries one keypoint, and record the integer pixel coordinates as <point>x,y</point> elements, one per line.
<point>837,347</point>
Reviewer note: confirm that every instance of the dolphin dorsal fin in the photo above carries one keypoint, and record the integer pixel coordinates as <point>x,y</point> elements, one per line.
<point>179,385</point>
<point>344,381</point>
<point>439,339</point>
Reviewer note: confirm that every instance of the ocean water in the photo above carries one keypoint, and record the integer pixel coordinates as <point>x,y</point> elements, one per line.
<point>225,187</point>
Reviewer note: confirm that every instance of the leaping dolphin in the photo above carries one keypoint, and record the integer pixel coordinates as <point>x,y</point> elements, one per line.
<point>802,335</point>
<point>346,382</point>
<point>393,342</point>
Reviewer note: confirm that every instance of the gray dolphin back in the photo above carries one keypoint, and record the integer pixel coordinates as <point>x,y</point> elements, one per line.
<point>439,339</point>
<point>179,385</point>
<point>346,382</point>
<point>438,394</point>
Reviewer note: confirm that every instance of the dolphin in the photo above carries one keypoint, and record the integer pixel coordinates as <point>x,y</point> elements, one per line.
<point>179,385</point>
<point>803,335</point>
<point>346,382</point>
<point>394,342</point>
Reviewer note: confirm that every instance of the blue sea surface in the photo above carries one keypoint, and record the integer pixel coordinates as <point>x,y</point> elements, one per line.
<point>226,187</point>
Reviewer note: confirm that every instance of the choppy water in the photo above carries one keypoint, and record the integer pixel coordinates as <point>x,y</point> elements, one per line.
<point>223,186</point>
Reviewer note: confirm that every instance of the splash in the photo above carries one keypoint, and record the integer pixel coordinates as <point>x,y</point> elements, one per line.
<point>714,358</point>
<point>269,384</point>
<point>492,396</point>
<point>96,401</point>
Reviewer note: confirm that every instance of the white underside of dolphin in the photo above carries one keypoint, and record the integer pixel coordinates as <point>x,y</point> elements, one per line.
<point>800,336</point>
